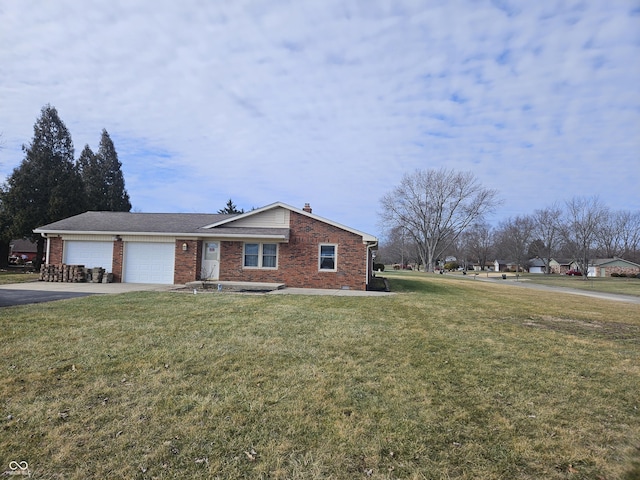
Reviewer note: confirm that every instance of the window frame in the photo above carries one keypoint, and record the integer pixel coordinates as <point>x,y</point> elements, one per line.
<point>260,254</point>
<point>334,257</point>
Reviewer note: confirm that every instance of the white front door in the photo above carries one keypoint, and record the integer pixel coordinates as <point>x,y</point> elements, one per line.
<point>210,261</point>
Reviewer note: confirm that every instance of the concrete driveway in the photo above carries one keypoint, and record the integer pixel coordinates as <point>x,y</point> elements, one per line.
<point>38,292</point>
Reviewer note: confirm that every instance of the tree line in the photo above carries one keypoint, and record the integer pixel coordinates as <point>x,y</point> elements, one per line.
<point>50,184</point>
<point>435,214</point>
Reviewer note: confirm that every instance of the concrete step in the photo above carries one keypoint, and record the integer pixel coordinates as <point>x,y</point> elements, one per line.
<point>227,286</point>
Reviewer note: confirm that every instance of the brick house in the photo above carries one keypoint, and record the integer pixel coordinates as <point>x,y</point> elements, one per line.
<point>604,267</point>
<point>276,243</point>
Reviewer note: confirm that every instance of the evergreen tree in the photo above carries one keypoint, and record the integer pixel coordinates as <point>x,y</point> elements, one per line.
<point>116,198</point>
<point>46,186</point>
<point>91,173</point>
<point>230,208</point>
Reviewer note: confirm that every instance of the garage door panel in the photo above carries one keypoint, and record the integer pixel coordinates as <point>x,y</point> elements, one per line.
<point>146,262</point>
<point>89,254</point>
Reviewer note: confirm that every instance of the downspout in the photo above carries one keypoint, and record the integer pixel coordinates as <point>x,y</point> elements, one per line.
<point>46,255</point>
<point>369,247</point>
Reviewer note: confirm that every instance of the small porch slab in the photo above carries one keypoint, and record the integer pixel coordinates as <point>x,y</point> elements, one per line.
<point>237,286</point>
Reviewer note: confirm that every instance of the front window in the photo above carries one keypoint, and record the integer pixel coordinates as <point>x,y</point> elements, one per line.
<point>328,257</point>
<point>269,255</point>
<point>261,255</point>
<point>251,254</point>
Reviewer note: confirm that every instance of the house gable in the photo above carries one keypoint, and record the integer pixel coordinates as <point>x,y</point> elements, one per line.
<point>258,214</point>
<point>614,262</point>
<point>273,218</point>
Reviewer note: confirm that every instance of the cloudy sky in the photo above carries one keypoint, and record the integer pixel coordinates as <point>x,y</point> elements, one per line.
<point>331,101</point>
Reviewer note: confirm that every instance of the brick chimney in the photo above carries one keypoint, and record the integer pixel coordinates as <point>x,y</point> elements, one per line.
<point>307,208</point>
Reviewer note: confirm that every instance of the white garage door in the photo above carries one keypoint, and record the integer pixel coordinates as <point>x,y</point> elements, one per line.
<point>89,254</point>
<point>148,262</point>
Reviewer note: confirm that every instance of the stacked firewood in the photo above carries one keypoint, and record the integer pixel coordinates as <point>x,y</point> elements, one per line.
<point>63,273</point>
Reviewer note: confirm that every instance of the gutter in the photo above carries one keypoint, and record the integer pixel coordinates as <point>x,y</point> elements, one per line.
<point>161,234</point>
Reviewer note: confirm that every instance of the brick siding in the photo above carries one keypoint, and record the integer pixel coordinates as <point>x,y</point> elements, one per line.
<point>117,261</point>
<point>619,270</point>
<point>187,263</point>
<point>298,259</point>
<point>55,251</point>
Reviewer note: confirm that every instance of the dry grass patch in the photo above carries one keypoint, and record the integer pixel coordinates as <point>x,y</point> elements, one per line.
<point>624,286</point>
<point>446,380</point>
<point>9,277</point>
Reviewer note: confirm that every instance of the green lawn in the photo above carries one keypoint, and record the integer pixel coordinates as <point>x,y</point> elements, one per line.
<point>17,277</point>
<point>625,286</point>
<point>448,379</point>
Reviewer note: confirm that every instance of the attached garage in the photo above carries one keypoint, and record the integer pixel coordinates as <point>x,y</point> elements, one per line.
<point>90,254</point>
<point>147,262</point>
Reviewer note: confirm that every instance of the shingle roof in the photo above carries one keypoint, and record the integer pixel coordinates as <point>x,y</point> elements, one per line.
<point>23,245</point>
<point>118,223</point>
<point>127,222</point>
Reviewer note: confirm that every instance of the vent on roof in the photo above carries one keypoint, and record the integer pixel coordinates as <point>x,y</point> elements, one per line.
<point>307,208</point>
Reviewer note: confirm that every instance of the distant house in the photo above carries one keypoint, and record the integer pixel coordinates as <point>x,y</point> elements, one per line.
<point>22,250</point>
<point>537,265</point>
<point>276,244</point>
<point>604,267</point>
<point>560,265</point>
<point>505,266</point>
<point>487,267</point>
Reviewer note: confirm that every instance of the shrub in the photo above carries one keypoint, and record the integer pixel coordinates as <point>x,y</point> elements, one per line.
<point>378,267</point>
<point>615,274</point>
<point>638,276</point>
<point>451,266</point>
<point>623,275</point>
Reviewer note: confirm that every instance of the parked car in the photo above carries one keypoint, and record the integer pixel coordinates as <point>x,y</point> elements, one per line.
<point>575,273</point>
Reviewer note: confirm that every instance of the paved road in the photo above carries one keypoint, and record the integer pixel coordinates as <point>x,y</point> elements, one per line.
<point>9,297</point>
<point>38,292</point>
<point>573,291</point>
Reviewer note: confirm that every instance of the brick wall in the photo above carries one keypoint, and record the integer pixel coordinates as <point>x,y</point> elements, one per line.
<point>629,271</point>
<point>187,263</point>
<point>298,259</point>
<point>116,264</point>
<point>55,251</point>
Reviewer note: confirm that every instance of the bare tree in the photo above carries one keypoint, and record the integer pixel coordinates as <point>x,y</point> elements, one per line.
<point>435,207</point>
<point>584,217</point>
<point>514,236</point>
<point>546,226</point>
<point>630,236</point>
<point>619,234</point>
<point>608,236</point>
<point>479,240</point>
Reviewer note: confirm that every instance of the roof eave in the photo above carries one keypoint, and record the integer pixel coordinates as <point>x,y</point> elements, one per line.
<point>162,234</point>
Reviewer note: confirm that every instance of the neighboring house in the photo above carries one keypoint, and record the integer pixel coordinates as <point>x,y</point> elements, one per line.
<point>505,266</point>
<point>604,267</point>
<point>537,265</point>
<point>22,250</point>
<point>560,265</point>
<point>277,243</point>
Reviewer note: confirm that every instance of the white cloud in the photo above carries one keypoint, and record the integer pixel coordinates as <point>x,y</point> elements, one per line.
<point>330,101</point>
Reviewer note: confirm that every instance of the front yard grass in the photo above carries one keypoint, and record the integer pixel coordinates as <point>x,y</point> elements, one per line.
<point>447,379</point>
<point>9,277</point>
<point>624,286</point>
